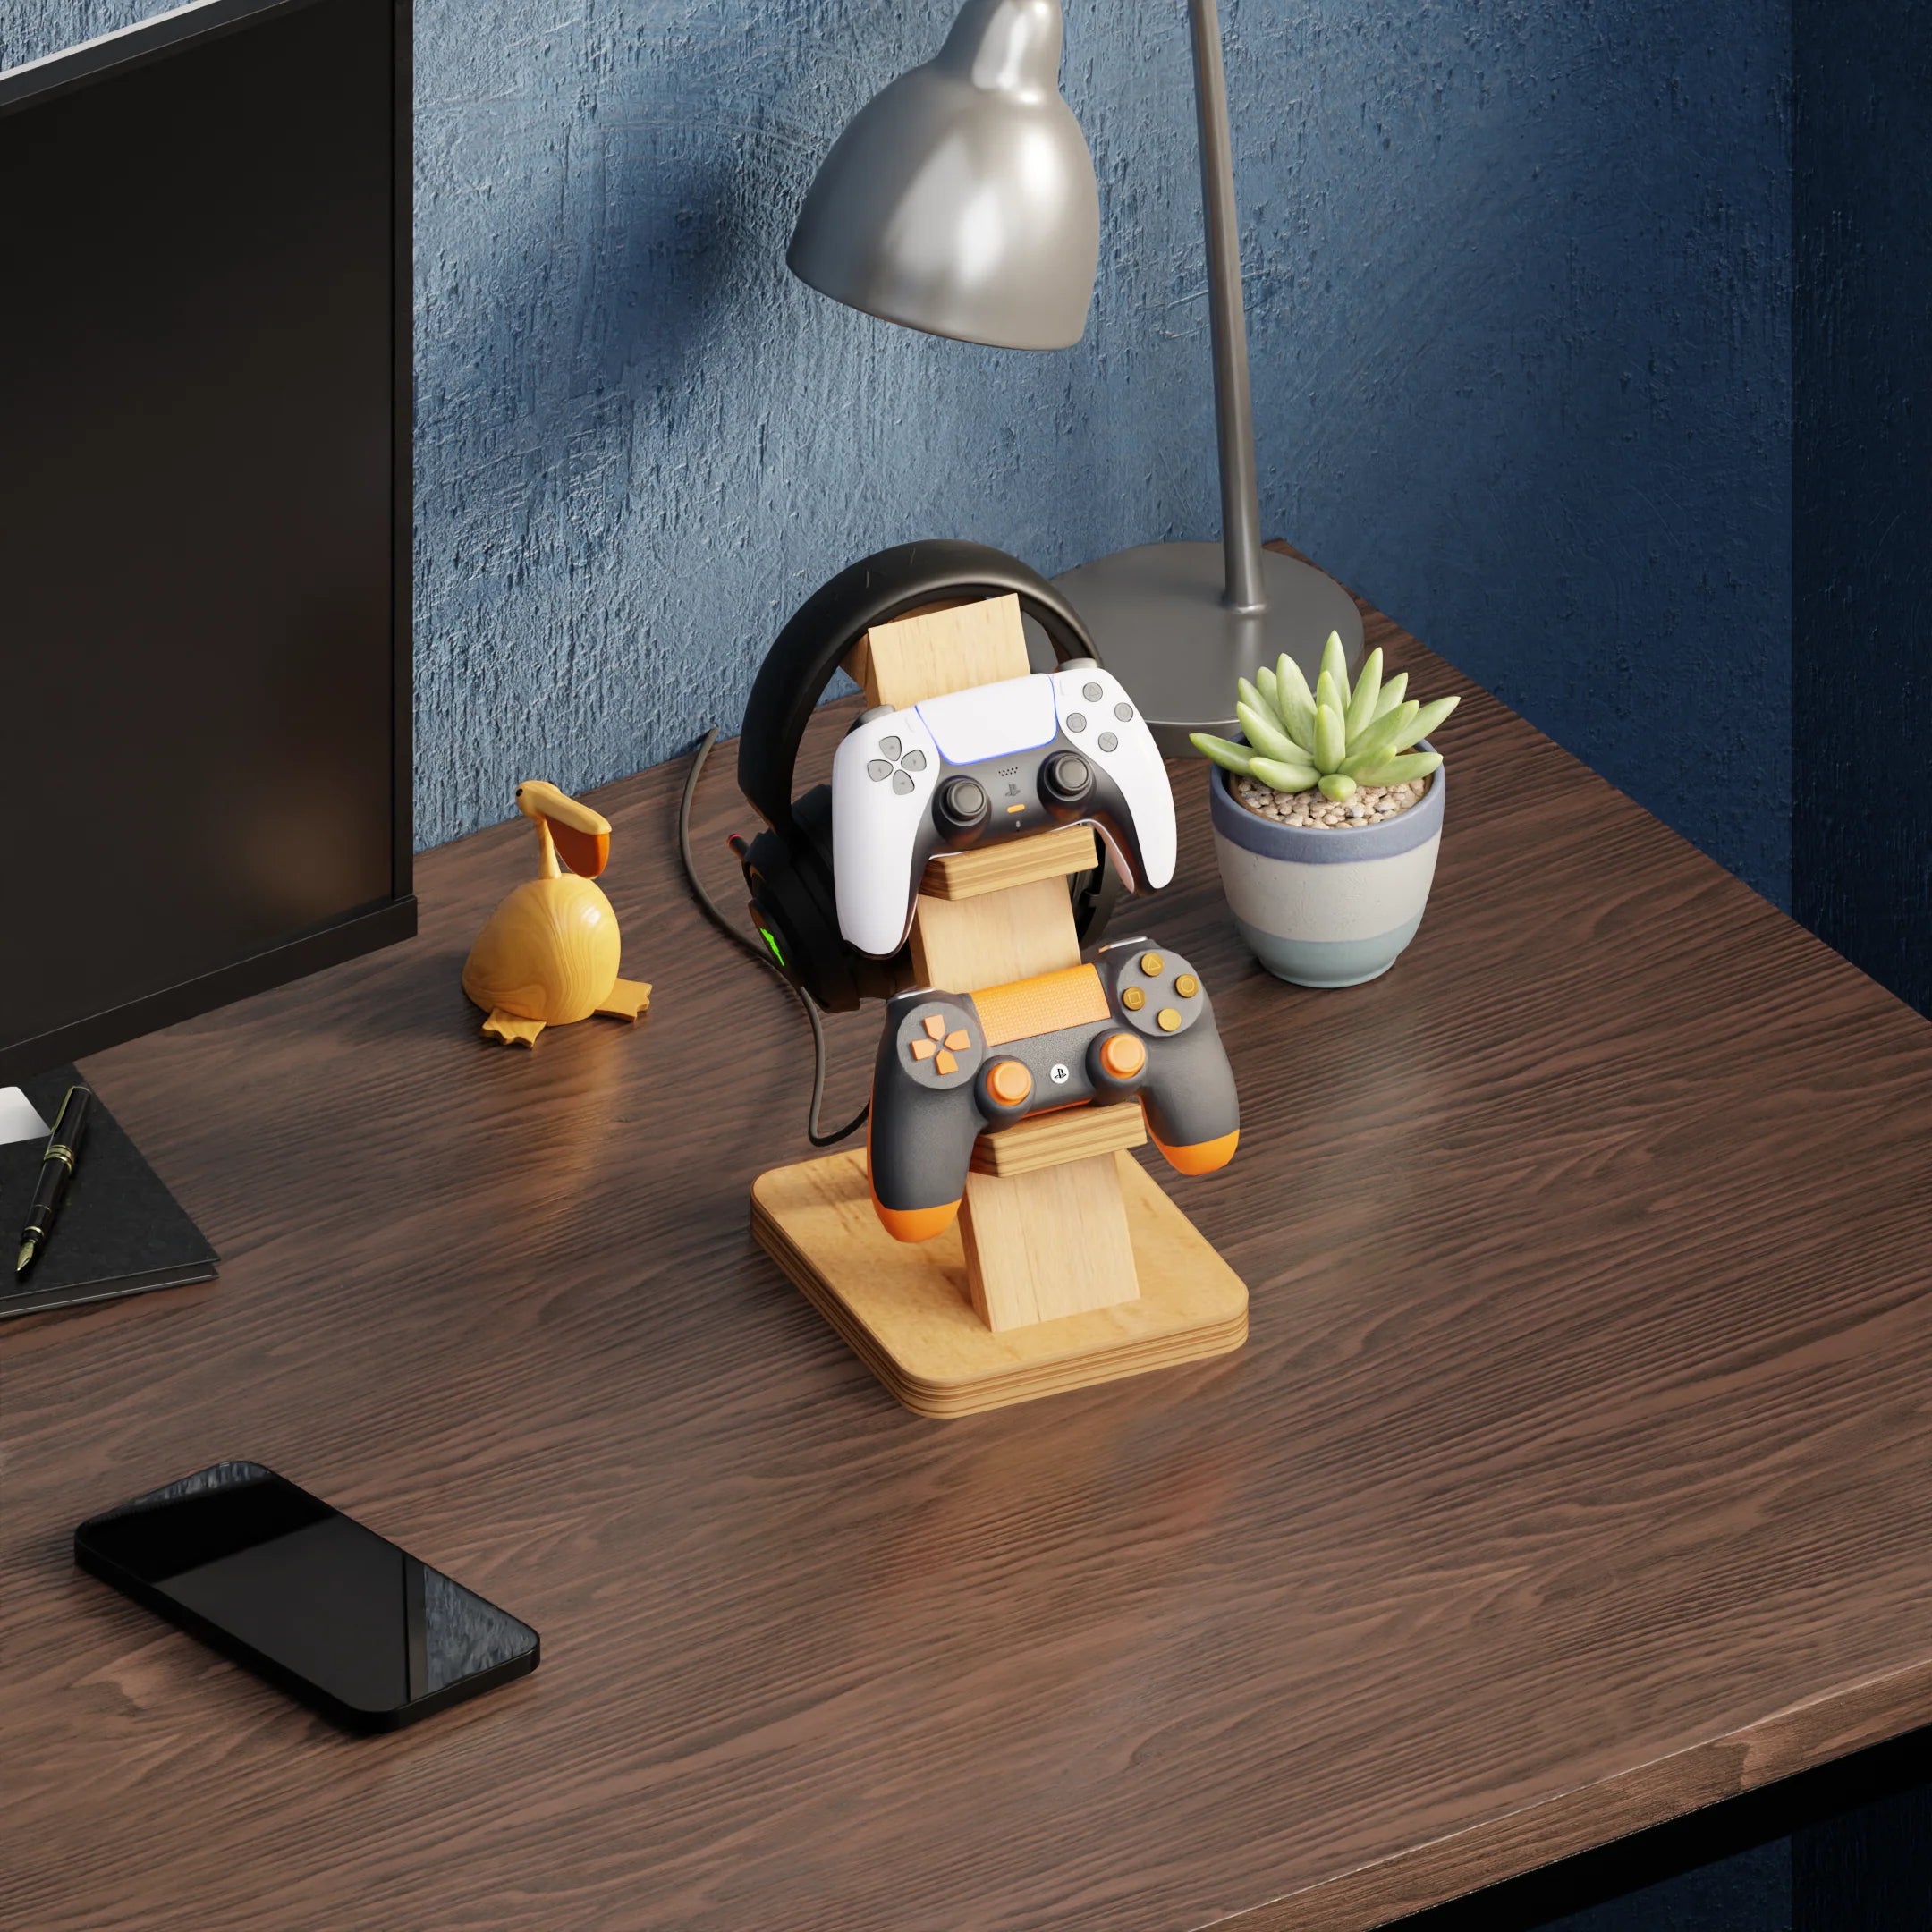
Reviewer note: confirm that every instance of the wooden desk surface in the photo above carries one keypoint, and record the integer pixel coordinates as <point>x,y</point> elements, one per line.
<point>1575,1474</point>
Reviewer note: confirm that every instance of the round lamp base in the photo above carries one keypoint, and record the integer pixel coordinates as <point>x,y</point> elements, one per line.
<point>1157,615</point>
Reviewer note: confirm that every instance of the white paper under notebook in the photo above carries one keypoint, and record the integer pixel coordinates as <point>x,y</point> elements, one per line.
<point>18,1120</point>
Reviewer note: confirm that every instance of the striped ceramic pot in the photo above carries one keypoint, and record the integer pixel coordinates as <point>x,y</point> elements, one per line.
<point>1326,909</point>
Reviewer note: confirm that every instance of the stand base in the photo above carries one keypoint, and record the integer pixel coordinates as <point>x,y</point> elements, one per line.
<point>902,1308</point>
<point>1156,614</point>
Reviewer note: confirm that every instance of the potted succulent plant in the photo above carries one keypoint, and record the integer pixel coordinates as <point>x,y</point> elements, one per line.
<point>1327,818</point>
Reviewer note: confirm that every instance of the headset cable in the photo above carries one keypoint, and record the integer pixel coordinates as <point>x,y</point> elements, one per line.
<point>708,906</point>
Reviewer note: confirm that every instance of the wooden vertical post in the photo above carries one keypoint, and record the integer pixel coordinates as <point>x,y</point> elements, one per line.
<point>1053,1239</point>
<point>1070,1266</point>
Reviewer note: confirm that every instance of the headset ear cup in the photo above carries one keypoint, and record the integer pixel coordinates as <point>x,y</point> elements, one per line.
<point>790,907</point>
<point>1094,895</point>
<point>864,977</point>
<point>811,813</point>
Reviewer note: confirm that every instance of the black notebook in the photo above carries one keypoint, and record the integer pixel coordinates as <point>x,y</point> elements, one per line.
<point>120,1230</point>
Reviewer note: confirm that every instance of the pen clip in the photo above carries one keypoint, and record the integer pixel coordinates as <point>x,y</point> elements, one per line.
<point>68,1121</point>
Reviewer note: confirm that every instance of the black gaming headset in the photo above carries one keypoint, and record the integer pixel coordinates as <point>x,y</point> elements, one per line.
<point>789,868</point>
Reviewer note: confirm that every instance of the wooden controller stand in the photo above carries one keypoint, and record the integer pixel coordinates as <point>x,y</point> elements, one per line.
<point>1069,1264</point>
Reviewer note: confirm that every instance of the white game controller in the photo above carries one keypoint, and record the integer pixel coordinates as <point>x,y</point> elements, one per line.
<point>957,773</point>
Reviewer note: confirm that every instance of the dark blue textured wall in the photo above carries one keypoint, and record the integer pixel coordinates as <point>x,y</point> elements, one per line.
<point>1862,195</point>
<point>1516,273</point>
<point>1527,377</point>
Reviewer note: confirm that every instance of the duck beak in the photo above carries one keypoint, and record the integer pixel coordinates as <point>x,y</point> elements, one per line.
<point>582,836</point>
<point>586,853</point>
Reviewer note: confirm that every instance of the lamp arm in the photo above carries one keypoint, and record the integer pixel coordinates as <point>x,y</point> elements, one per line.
<point>1240,499</point>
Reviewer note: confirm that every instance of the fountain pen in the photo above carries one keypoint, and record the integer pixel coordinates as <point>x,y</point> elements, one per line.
<point>57,1165</point>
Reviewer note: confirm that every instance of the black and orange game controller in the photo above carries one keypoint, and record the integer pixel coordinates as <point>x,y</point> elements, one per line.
<point>1133,1026</point>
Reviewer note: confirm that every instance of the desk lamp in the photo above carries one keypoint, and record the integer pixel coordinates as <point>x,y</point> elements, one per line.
<point>961,200</point>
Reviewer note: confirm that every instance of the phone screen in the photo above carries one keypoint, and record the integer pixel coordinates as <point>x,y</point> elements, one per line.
<point>305,1596</point>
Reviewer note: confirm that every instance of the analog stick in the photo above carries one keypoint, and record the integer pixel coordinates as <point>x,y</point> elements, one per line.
<point>1066,780</point>
<point>961,805</point>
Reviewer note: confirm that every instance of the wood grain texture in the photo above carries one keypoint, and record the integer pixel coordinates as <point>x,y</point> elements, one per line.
<point>961,945</point>
<point>1048,1241</point>
<point>903,1310</point>
<point>1040,855</point>
<point>1573,1475</point>
<point>942,647</point>
<point>548,956</point>
<point>1044,1140</point>
<point>1038,1245</point>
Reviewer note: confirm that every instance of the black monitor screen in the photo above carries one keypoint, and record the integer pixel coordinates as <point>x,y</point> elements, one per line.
<point>199,625</point>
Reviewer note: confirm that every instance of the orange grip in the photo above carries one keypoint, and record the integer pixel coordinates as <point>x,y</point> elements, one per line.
<point>1202,1157</point>
<point>915,1224</point>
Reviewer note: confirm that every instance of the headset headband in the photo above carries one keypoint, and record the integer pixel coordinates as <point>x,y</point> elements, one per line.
<point>873,591</point>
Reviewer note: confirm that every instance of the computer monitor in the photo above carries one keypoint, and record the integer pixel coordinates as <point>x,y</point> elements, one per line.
<point>205,515</point>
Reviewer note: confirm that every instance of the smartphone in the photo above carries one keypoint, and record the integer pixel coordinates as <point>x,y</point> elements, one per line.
<point>305,1597</point>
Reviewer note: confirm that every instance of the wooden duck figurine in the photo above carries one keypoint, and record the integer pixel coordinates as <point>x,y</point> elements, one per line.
<point>549,955</point>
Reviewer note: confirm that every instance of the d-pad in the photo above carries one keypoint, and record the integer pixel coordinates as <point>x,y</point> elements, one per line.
<point>940,1043</point>
<point>895,763</point>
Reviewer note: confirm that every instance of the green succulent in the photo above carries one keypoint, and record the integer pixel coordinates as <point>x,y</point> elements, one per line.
<point>1332,736</point>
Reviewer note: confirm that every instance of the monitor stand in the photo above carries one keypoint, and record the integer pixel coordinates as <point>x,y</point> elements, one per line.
<point>120,1232</point>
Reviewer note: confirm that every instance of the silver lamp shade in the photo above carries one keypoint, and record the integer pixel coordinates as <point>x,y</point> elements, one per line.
<point>962,200</point>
